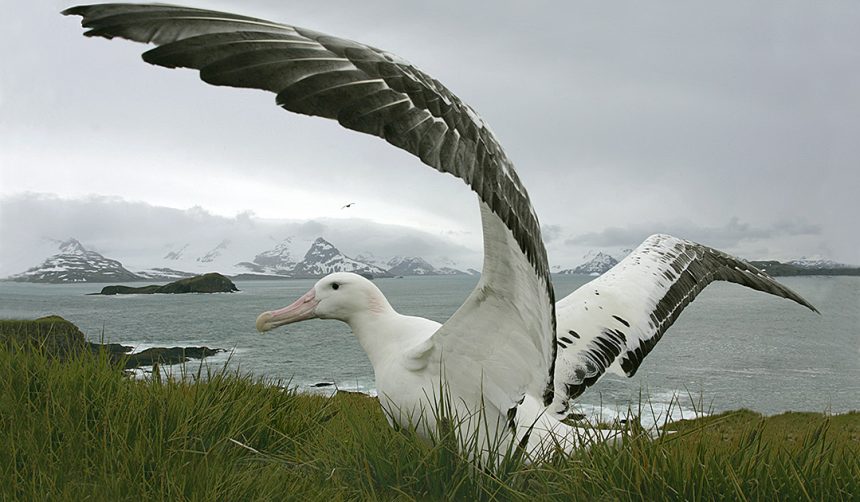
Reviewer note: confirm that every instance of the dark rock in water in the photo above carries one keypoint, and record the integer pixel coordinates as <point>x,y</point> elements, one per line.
<point>322,384</point>
<point>168,356</point>
<point>206,283</point>
<point>128,290</point>
<point>112,348</point>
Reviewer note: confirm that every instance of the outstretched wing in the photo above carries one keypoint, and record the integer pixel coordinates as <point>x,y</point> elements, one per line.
<point>617,318</point>
<point>375,92</point>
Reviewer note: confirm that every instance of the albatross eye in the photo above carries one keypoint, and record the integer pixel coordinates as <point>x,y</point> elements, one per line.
<point>335,285</point>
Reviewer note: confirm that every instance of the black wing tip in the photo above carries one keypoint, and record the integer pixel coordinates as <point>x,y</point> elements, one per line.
<point>83,11</point>
<point>77,10</point>
<point>748,268</point>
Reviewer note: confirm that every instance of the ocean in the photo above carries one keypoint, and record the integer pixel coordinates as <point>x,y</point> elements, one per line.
<point>731,348</point>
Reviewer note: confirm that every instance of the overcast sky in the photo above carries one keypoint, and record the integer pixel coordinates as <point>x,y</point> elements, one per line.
<point>736,124</point>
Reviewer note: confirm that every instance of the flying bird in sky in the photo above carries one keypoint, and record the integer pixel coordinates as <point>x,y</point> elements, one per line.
<point>511,359</point>
<point>348,205</point>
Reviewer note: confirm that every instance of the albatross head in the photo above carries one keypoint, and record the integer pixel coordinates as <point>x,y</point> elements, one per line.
<point>341,296</point>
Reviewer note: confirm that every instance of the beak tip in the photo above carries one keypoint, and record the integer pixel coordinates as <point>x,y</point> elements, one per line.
<point>262,319</point>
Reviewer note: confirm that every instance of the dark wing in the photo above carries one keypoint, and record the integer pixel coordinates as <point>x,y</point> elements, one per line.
<point>617,318</point>
<point>365,89</point>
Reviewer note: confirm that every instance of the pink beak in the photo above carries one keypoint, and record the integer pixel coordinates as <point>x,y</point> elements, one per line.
<point>299,310</point>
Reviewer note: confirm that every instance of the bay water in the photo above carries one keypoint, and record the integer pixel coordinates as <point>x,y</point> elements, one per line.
<point>731,348</point>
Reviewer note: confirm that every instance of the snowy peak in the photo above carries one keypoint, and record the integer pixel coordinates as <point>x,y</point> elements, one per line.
<point>279,258</point>
<point>215,252</point>
<point>411,265</point>
<point>414,265</point>
<point>323,258</point>
<point>598,264</point>
<point>72,247</point>
<point>321,250</point>
<point>75,263</point>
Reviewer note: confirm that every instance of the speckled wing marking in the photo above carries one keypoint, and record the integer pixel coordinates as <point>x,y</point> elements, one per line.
<point>364,88</point>
<point>616,319</point>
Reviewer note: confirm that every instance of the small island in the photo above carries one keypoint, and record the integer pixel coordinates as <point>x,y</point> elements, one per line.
<point>207,283</point>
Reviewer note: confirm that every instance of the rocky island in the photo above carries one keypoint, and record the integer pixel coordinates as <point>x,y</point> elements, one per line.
<point>206,283</point>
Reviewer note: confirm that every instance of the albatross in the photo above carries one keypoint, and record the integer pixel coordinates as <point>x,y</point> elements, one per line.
<point>510,360</point>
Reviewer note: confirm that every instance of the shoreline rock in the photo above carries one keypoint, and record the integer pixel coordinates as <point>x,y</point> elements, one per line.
<point>167,356</point>
<point>58,338</point>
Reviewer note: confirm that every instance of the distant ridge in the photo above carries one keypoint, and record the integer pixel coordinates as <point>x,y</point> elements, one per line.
<point>74,263</point>
<point>791,268</point>
<point>601,262</point>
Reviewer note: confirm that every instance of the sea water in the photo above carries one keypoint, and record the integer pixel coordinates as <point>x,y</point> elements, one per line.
<point>731,348</point>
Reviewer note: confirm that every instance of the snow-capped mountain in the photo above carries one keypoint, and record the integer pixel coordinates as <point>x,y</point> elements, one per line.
<point>598,264</point>
<point>75,263</point>
<point>815,263</point>
<point>410,265</point>
<point>213,254</point>
<point>415,265</point>
<point>176,254</point>
<point>323,258</point>
<point>372,259</point>
<point>279,260</point>
<point>448,266</point>
<point>450,271</point>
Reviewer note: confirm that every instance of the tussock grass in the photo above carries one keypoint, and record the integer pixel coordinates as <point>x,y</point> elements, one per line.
<point>78,429</point>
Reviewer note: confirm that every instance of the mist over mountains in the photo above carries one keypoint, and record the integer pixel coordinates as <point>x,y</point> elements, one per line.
<point>154,242</point>
<point>144,237</point>
<point>74,263</point>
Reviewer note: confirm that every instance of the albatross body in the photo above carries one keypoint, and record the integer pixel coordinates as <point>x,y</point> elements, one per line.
<point>411,377</point>
<point>510,360</point>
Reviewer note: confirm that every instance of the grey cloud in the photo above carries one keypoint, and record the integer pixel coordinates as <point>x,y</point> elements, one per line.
<point>311,228</point>
<point>550,233</point>
<point>612,113</point>
<point>137,232</point>
<point>725,236</point>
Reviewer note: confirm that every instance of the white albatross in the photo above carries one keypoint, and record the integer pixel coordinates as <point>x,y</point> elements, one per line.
<point>510,357</point>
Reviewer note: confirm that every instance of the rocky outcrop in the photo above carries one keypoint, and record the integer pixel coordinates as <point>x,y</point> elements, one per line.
<point>206,283</point>
<point>163,355</point>
<point>58,338</point>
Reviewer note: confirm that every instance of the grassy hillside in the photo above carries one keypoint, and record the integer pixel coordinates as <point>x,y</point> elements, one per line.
<point>79,429</point>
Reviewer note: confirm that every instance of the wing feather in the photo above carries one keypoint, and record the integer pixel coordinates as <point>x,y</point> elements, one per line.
<point>373,91</point>
<point>618,318</point>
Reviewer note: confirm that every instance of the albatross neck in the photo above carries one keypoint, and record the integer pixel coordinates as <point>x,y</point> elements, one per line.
<point>380,330</point>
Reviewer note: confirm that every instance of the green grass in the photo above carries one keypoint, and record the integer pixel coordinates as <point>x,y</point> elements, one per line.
<point>80,430</point>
